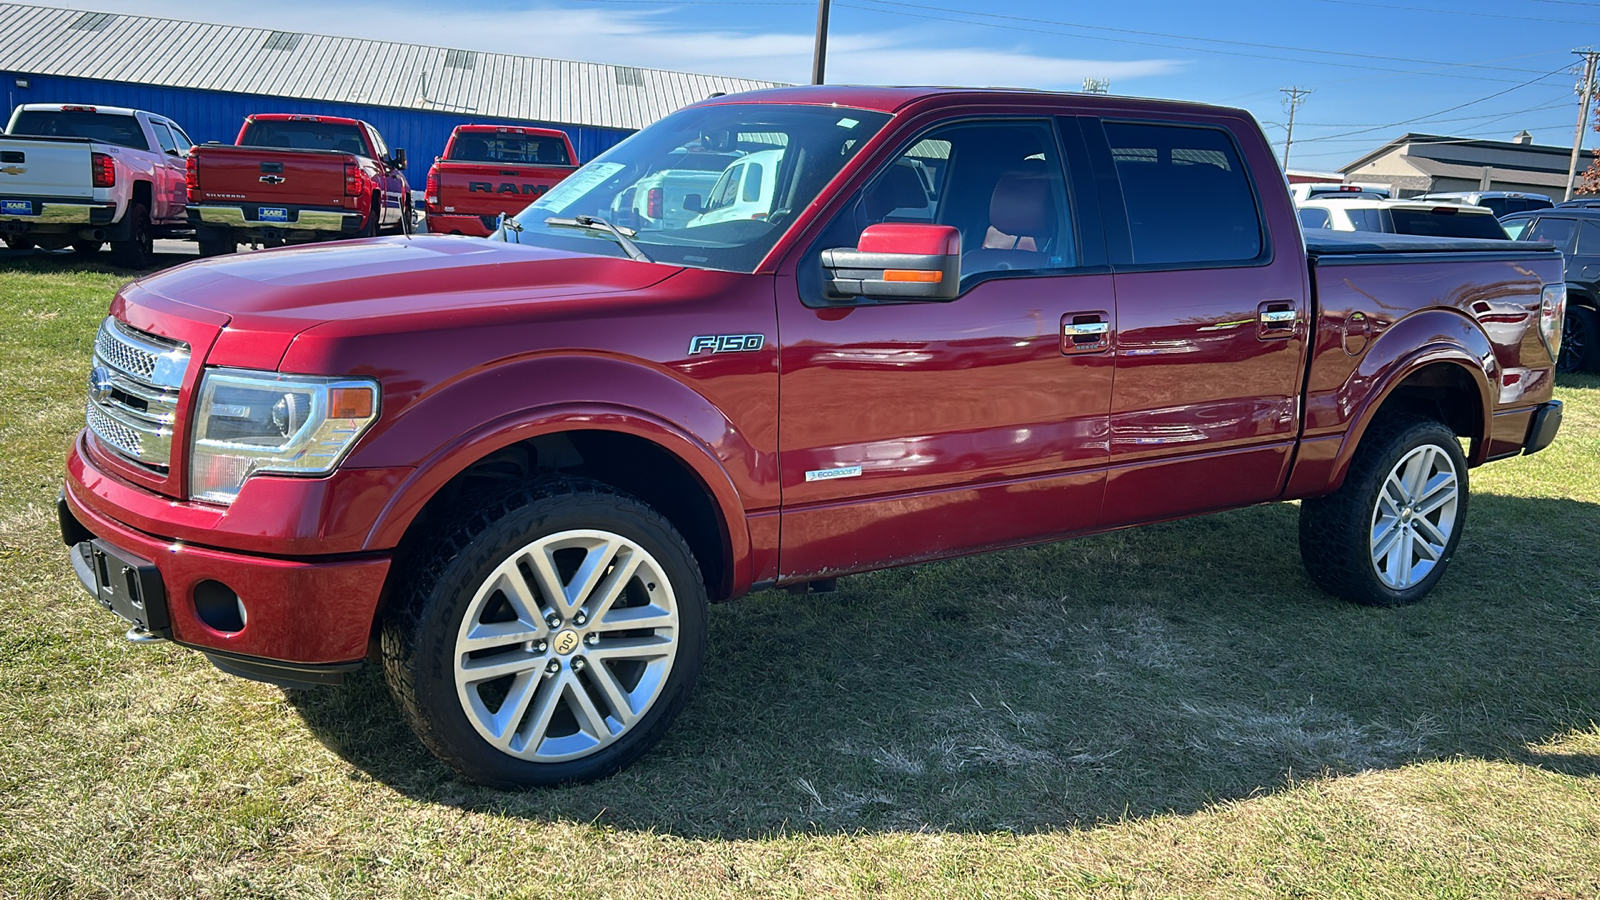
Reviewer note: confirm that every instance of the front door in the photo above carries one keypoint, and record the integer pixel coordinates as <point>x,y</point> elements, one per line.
<point>915,430</point>
<point>1212,321</point>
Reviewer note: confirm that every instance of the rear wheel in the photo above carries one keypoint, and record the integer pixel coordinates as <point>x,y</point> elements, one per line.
<point>1580,341</point>
<point>374,220</point>
<point>1385,537</point>
<point>138,249</point>
<point>551,636</point>
<point>19,243</point>
<point>87,248</point>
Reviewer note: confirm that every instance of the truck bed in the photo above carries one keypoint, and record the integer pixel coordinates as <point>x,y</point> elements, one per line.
<point>1323,242</point>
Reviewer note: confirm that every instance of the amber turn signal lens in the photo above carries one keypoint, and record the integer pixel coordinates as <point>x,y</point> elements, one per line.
<point>913,275</point>
<point>349,403</point>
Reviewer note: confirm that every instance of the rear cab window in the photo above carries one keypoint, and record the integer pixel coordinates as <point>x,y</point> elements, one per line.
<point>514,149</point>
<point>107,128</point>
<point>1188,198</point>
<point>304,134</point>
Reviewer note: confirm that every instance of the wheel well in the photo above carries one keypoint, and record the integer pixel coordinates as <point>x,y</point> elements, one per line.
<point>1443,392</point>
<point>630,464</point>
<point>141,194</point>
<point>1581,297</point>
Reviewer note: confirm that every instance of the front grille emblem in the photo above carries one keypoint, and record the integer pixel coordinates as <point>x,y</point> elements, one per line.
<point>100,384</point>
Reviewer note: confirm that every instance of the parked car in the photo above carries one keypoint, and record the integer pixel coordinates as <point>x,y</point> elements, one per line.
<point>1402,217</point>
<point>743,191</point>
<point>487,170</point>
<point>673,195</point>
<point>523,468</point>
<point>1501,203</point>
<point>1575,231</point>
<point>81,176</point>
<point>292,179</point>
<point>1313,190</point>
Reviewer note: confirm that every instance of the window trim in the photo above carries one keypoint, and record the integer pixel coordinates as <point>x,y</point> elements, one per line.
<point>1087,228</point>
<point>1114,206</point>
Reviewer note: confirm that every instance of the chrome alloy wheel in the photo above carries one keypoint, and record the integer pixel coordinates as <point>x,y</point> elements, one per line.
<point>1415,516</point>
<point>566,645</point>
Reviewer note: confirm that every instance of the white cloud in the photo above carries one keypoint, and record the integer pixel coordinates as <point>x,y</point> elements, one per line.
<point>651,38</point>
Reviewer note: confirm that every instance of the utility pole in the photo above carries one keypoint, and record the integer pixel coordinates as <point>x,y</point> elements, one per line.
<point>1586,97</point>
<point>819,56</point>
<point>1293,97</point>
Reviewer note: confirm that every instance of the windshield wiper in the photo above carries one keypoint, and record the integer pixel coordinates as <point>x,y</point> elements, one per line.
<point>595,223</point>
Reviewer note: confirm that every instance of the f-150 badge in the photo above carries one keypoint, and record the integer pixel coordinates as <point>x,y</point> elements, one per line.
<point>726,343</point>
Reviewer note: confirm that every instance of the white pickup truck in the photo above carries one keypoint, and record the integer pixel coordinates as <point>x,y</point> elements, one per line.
<point>80,176</point>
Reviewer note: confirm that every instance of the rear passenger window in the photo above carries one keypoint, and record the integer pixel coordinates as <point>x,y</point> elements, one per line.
<point>1187,195</point>
<point>1315,218</point>
<point>1561,232</point>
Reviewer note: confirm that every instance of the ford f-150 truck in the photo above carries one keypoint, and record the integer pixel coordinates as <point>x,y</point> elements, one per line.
<point>487,170</point>
<point>292,179</point>
<point>80,176</point>
<point>515,471</point>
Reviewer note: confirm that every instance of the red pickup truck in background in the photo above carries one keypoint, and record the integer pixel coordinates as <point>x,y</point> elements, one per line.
<point>521,468</point>
<point>487,170</point>
<point>292,179</point>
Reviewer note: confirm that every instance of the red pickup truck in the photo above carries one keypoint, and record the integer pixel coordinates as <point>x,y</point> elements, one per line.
<point>487,170</point>
<point>292,179</point>
<point>514,472</point>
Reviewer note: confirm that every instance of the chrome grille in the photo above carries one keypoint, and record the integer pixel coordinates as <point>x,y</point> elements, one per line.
<point>133,392</point>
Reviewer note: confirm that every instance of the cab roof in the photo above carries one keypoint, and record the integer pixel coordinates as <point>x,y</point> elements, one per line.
<point>893,99</point>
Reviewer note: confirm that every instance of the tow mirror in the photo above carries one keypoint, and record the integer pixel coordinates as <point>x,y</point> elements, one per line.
<point>900,261</point>
<point>399,160</point>
<point>693,203</point>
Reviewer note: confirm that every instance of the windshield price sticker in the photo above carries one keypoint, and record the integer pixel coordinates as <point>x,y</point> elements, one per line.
<point>576,185</point>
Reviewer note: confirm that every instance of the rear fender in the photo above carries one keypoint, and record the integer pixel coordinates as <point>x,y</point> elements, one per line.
<point>1424,339</point>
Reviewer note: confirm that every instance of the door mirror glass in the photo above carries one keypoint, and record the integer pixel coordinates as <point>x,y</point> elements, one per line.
<point>898,261</point>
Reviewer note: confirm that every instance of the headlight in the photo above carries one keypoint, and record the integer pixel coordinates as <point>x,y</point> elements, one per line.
<point>248,422</point>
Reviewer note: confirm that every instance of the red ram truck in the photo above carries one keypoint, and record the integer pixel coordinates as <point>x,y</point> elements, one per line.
<point>487,170</point>
<point>514,472</point>
<point>292,179</point>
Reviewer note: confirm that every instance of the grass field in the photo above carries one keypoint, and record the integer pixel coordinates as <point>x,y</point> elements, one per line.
<point>1173,711</point>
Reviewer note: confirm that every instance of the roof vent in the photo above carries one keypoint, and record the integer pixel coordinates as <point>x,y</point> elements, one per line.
<point>1523,137</point>
<point>460,59</point>
<point>628,76</point>
<point>282,40</point>
<point>92,21</point>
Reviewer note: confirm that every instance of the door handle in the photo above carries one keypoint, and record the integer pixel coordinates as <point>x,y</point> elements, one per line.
<point>1085,332</point>
<point>1277,320</point>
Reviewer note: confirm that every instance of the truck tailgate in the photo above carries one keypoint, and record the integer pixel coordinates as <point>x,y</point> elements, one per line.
<point>42,167</point>
<point>266,175</point>
<point>489,188</point>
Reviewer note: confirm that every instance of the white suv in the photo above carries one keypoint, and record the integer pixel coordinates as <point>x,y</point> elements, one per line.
<point>1402,217</point>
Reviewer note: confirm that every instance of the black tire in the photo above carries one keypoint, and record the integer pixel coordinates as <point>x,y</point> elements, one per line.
<point>87,248</point>
<point>374,219</point>
<point>216,244</point>
<point>1580,341</point>
<point>1336,531</point>
<point>434,595</point>
<point>19,243</point>
<point>137,251</point>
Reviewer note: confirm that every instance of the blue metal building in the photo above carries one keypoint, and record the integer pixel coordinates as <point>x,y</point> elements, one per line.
<point>209,77</point>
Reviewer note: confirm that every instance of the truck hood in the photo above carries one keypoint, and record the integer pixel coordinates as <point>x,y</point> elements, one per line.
<point>270,296</point>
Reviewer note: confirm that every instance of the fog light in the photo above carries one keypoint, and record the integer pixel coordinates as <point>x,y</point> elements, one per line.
<point>219,607</point>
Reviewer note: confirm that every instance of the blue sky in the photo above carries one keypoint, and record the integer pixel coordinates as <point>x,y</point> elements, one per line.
<point>1466,68</point>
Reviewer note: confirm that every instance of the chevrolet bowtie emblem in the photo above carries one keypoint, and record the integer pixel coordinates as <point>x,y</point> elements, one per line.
<point>273,179</point>
<point>13,170</point>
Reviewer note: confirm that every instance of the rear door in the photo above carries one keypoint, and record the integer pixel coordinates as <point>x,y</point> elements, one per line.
<point>916,430</point>
<point>1211,319</point>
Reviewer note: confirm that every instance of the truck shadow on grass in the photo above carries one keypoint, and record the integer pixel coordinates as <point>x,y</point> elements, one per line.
<point>1124,675</point>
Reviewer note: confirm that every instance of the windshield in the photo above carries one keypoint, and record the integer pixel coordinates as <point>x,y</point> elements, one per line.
<point>663,184</point>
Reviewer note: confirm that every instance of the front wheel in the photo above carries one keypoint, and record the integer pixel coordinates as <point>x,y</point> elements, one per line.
<point>1580,341</point>
<point>552,635</point>
<point>1385,537</point>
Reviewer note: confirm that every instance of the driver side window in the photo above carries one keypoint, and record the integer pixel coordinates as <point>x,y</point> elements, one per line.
<point>1001,184</point>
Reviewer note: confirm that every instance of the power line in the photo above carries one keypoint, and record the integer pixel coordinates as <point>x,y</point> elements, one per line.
<point>1442,111</point>
<point>1459,12</point>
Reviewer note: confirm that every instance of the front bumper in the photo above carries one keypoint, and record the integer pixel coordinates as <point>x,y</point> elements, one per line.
<point>299,622</point>
<point>241,218</point>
